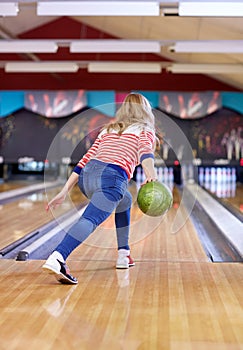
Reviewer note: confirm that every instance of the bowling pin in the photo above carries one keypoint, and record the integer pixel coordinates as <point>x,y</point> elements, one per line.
<point>139,176</point>
<point>201,176</point>
<point>224,175</point>
<point>233,177</point>
<point>207,175</point>
<point>160,175</point>
<point>218,174</point>
<point>213,174</point>
<point>143,176</point>
<point>166,175</point>
<point>171,175</point>
<point>228,175</point>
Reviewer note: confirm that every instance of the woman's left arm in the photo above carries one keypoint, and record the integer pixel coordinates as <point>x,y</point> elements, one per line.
<point>60,197</point>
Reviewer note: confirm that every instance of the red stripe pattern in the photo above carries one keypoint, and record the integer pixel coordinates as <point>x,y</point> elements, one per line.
<point>126,150</point>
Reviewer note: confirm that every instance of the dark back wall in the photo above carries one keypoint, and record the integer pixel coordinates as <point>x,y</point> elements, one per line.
<point>25,134</point>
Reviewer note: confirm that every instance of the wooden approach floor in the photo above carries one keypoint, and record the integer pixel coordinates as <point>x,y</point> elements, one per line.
<point>173,298</point>
<point>27,214</point>
<point>154,305</point>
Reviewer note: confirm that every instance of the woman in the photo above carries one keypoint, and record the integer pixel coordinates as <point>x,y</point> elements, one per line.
<point>103,175</point>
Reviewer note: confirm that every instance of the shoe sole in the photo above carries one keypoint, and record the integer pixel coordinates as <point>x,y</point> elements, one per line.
<point>124,267</point>
<point>59,276</point>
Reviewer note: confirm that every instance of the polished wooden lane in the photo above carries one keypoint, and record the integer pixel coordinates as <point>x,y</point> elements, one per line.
<point>173,298</point>
<point>154,305</point>
<point>27,214</point>
<point>13,185</point>
<point>236,200</point>
<point>150,238</point>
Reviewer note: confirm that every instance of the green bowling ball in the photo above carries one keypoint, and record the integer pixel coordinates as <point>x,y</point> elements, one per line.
<point>154,198</point>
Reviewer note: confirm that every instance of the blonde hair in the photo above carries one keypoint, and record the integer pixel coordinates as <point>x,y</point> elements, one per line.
<point>135,109</point>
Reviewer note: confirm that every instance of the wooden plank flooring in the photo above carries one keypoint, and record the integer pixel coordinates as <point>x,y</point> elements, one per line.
<point>12,185</point>
<point>173,298</point>
<point>150,238</point>
<point>236,201</point>
<point>154,305</point>
<point>27,214</point>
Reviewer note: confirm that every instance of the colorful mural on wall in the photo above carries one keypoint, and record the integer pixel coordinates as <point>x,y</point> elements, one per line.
<point>53,104</point>
<point>191,104</point>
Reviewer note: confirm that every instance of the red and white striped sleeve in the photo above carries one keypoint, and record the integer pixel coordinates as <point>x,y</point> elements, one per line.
<point>146,143</point>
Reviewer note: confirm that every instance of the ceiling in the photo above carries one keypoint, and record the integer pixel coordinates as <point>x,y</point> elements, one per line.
<point>27,25</point>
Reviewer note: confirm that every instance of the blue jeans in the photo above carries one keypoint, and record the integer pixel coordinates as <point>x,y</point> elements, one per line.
<point>106,187</point>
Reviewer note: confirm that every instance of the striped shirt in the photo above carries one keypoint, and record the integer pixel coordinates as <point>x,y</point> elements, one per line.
<point>126,150</point>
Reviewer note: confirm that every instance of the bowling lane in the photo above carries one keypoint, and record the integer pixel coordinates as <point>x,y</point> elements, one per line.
<point>27,214</point>
<point>13,185</point>
<point>183,244</point>
<point>151,239</point>
<point>229,194</point>
<point>152,306</point>
<point>222,184</point>
<point>235,199</point>
<point>172,237</point>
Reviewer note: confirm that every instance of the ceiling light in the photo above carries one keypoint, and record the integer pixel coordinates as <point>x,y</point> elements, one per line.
<point>40,67</point>
<point>98,8</point>
<point>233,8</point>
<point>205,68</point>
<point>27,46</point>
<point>9,9</point>
<point>210,46</point>
<point>124,67</point>
<point>114,46</point>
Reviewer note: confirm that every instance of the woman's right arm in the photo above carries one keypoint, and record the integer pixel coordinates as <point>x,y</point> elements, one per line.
<point>149,169</point>
<point>146,154</point>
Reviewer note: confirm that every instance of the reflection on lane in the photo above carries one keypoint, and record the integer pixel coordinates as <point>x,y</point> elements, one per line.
<point>222,183</point>
<point>20,217</point>
<point>230,194</point>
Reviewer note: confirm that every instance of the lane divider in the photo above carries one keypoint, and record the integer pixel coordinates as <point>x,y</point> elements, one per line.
<point>230,226</point>
<point>24,254</point>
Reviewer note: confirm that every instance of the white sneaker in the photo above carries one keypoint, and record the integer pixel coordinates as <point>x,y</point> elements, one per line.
<point>124,260</point>
<point>55,264</point>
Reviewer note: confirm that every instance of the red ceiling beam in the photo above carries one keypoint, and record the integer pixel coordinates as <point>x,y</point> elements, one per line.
<point>111,81</point>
